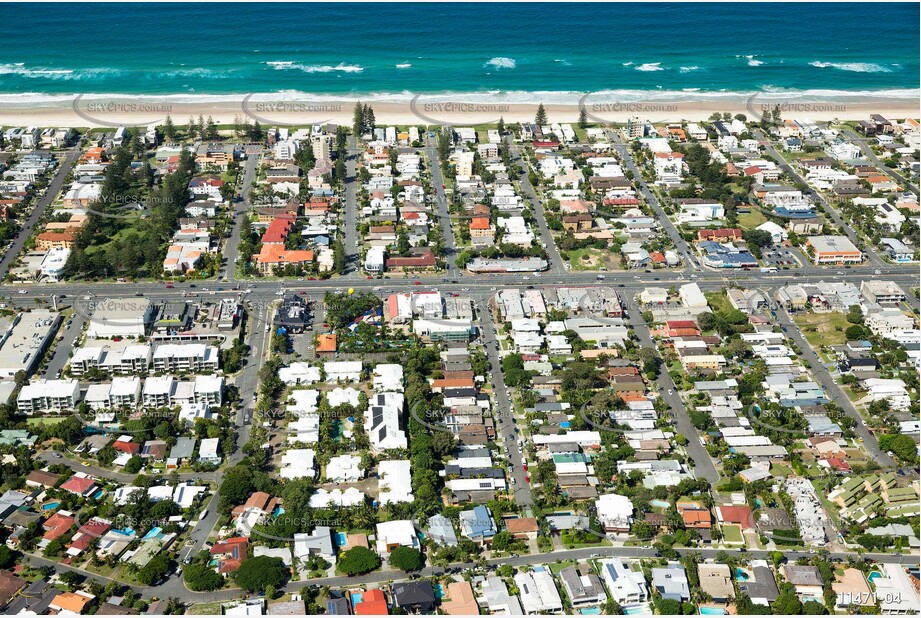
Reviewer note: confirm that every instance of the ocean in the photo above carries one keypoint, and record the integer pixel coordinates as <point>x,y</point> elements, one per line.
<point>498,51</point>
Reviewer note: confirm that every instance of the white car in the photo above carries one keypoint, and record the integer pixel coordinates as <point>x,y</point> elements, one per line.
<point>23,291</point>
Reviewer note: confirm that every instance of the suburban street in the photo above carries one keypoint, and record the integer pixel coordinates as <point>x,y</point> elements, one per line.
<point>680,245</point>
<point>834,392</point>
<point>703,465</point>
<point>51,192</point>
<point>505,413</point>
<point>536,205</point>
<point>832,213</point>
<point>242,208</point>
<point>442,212</point>
<point>861,143</point>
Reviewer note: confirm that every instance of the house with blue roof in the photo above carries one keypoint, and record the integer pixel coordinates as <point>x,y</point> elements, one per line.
<point>477,524</point>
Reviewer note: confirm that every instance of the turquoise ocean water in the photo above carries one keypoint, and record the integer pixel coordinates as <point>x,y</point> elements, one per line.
<point>515,52</point>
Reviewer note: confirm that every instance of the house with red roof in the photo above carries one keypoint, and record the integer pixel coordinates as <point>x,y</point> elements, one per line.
<point>125,445</point>
<point>723,234</point>
<point>420,262</point>
<point>58,525</point>
<point>736,514</point>
<point>621,202</point>
<point>373,603</point>
<point>277,231</point>
<point>230,554</point>
<point>80,484</point>
<point>87,535</point>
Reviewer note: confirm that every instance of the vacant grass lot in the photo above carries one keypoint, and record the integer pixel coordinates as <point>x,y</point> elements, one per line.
<point>822,328</point>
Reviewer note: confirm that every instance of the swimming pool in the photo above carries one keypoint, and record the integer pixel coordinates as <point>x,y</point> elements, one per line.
<point>659,503</point>
<point>439,591</point>
<point>873,576</point>
<point>49,506</point>
<point>278,511</point>
<point>340,539</point>
<point>712,611</point>
<point>590,611</point>
<point>356,598</point>
<point>154,532</point>
<point>633,609</point>
<point>741,575</point>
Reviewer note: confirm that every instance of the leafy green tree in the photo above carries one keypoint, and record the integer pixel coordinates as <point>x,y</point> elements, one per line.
<point>201,578</point>
<point>406,559</point>
<point>255,574</point>
<point>155,570</point>
<point>358,561</point>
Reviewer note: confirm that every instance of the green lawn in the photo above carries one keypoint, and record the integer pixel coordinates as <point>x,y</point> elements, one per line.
<point>822,328</point>
<point>588,258</point>
<point>718,301</point>
<point>751,219</point>
<point>732,533</point>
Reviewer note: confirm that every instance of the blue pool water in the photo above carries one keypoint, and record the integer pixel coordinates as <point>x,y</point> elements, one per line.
<point>154,532</point>
<point>439,591</point>
<point>48,506</point>
<point>633,609</point>
<point>712,611</point>
<point>340,539</point>
<point>590,611</point>
<point>872,577</point>
<point>659,503</point>
<point>741,575</point>
<point>356,598</point>
<point>278,511</point>
<point>98,495</point>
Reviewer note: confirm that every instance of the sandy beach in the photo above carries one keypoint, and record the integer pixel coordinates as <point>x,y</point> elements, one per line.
<point>291,111</point>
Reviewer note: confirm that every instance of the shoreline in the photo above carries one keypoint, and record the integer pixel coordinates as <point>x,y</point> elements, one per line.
<point>297,109</point>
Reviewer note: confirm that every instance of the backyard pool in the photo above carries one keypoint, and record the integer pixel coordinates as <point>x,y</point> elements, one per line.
<point>872,577</point>
<point>356,598</point>
<point>741,575</point>
<point>340,539</point>
<point>712,611</point>
<point>439,591</point>
<point>633,610</point>
<point>590,611</point>
<point>49,506</point>
<point>154,532</point>
<point>662,504</point>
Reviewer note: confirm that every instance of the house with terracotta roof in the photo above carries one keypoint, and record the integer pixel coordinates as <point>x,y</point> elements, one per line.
<point>277,231</point>
<point>423,261</point>
<point>72,602</point>
<point>460,600</point>
<point>230,554</point>
<point>253,512</point>
<point>87,535</point>
<point>524,528</point>
<point>695,518</point>
<point>733,514</point>
<point>481,229</point>
<point>275,256</point>
<point>58,525</point>
<point>373,603</point>
<point>55,240</point>
<point>124,444</point>
<point>81,485</point>
<point>722,234</point>
<point>326,343</point>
